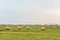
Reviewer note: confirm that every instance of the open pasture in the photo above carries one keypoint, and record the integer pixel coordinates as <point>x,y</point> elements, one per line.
<point>35,33</point>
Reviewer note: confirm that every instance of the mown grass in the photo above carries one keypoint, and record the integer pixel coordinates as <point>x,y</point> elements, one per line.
<point>29,36</point>
<point>51,33</point>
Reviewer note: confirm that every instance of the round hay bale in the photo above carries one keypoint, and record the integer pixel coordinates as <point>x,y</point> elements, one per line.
<point>7,28</point>
<point>42,28</point>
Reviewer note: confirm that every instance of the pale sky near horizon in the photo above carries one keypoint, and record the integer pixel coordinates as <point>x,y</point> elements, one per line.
<point>30,11</point>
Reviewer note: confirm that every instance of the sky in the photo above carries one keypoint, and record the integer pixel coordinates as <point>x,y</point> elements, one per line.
<point>29,11</point>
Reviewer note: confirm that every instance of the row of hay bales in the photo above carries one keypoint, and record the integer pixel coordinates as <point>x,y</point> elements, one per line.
<point>28,27</point>
<point>19,28</point>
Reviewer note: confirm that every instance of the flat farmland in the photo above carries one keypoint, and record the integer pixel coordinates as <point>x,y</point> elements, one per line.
<point>50,33</point>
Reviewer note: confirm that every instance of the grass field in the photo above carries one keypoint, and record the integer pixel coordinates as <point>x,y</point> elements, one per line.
<point>29,36</point>
<point>51,33</point>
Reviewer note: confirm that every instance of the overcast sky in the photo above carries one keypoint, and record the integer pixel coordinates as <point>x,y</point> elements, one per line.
<point>30,11</point>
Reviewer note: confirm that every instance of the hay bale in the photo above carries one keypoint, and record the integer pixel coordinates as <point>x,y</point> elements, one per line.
<point>7,28</point>
<point>42,28</point>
